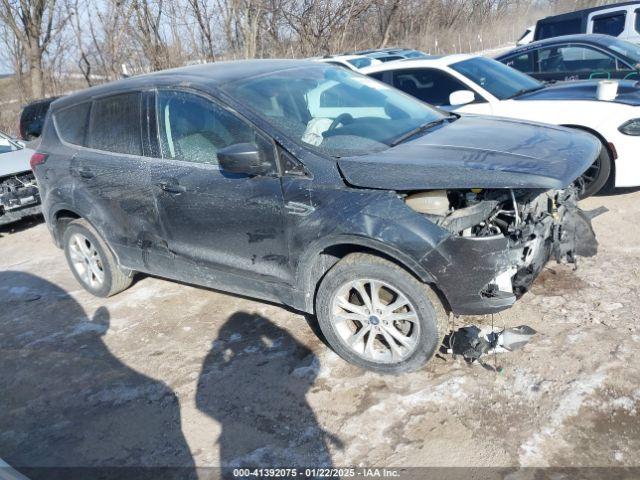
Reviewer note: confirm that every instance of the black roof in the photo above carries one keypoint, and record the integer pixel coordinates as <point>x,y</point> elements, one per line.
<point>204,75</point>
<point>592,38</point>
<point>584,12</point>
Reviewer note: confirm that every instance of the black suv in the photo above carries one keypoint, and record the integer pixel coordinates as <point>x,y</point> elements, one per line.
<point>316,187</point>
<point>32,118</point>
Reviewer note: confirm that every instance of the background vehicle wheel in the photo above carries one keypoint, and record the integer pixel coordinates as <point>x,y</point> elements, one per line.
<point>91,261</point>
<point>376,315</point>
<point>596,176</point>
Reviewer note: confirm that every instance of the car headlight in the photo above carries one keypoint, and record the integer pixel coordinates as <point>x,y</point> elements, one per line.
<point>632,127</point>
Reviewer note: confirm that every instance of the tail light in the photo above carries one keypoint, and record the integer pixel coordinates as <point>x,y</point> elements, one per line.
<point>37,159</point>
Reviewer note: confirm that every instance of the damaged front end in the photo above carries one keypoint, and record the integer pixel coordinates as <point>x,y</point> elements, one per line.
<point>500,241</point>
<point>19,196</point>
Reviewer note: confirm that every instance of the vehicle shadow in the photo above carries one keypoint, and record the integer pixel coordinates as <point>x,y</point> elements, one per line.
<point>254,383</point>
<point>20,225</point>
<point>69,408</point>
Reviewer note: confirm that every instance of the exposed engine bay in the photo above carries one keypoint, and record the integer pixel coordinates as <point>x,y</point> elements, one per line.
<point>538,224</point>
<point>19,196</point>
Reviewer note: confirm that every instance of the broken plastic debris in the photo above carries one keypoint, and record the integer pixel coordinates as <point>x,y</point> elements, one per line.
<point>472,342</point>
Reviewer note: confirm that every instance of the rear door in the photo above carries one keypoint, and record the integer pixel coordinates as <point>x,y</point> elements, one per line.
<point>226,229</point>
<point>111,177</point>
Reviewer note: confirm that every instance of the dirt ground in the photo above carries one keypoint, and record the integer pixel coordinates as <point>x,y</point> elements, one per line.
<point>166,374</point>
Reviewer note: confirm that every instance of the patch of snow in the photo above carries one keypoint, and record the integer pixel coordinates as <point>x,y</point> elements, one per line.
<point>312,370</point>
<point>532,451</point>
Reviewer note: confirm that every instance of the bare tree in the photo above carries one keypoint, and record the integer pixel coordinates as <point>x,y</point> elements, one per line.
<point>34,23</point>
<point>147,30</point>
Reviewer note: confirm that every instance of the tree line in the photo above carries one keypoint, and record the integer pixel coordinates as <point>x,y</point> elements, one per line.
<point>49,43</point>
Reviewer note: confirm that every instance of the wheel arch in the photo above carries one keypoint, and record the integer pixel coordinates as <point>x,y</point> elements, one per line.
<point>60,218</point>
<point>320,257</point>
<point>608,145</point>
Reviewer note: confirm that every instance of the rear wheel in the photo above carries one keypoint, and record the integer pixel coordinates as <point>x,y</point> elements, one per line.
<point>92,262</point>
<point>376,315</point>
<point>595,177</point>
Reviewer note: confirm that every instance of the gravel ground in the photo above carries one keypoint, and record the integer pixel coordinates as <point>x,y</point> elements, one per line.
<point>166,374</point>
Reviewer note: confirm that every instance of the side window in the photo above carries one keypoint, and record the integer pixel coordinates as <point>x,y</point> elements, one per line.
<point>522,62</point>
<point>193,128</point>
<point>558,28</point>
<point>389,58</point>
<point>637,21</point>
<point>569,58</point>
<point>115,124</point>
<point>610,23</point>
<point>71,123</point>
<point>429,85</point>
<point>378,76</point>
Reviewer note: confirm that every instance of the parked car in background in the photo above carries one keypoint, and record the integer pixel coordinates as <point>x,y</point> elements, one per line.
<point>19,194</point>
<point>367,58</point>
<point>390,54</point>
<point>475,84</point>
<point>352,62</point>
<point>620,20</point>
<point>32,118</point>
<point>576,57</point>
<point>527,36</point>
<point>378,219</point>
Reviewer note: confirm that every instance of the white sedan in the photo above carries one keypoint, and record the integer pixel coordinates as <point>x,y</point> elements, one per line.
<point>475,84</point>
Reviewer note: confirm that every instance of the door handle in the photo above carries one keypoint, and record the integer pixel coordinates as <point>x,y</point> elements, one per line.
<point>171,187</point>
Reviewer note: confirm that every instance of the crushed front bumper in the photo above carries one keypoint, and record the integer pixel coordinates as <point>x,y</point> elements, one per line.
<point>480,275</point>
<point>19,197</point>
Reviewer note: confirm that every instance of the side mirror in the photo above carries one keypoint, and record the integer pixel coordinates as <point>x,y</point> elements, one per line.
<point>461,97</point>
<point>243,158</point>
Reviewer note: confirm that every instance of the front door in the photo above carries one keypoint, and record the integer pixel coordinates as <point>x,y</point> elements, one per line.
<point>221,229</point>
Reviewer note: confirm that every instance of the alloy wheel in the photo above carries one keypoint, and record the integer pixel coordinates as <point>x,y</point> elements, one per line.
<point>375,320</point>
<point>86,261</point>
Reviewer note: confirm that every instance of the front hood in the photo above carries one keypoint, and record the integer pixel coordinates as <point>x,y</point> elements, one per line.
<point>628,92</point>
<point>478,152</point>
<point>15,162</point>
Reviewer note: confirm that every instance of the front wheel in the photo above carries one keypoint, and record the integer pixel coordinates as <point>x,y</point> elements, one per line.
<point>376,315</point>
<point>596,176</point>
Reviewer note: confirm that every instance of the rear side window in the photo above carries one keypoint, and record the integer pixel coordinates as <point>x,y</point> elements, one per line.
<point>115,124</point>
<point>522,62</point>
<point>71,123</point>
<point>557,29</point>
<point>610,24</point>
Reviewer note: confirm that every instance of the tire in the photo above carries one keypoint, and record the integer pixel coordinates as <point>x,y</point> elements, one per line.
<point>101,274</point>
<point>597,176</point>
<point>423,334</point>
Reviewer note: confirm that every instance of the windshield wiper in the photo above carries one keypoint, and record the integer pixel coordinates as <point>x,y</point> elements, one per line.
<point>421,128</point>
<point>522,91</point>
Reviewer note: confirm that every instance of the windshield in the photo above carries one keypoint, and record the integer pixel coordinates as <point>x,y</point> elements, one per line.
<point>627,49</point>
<point>8,145</point>
<point>496,78</point>
<point>333,110</point>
